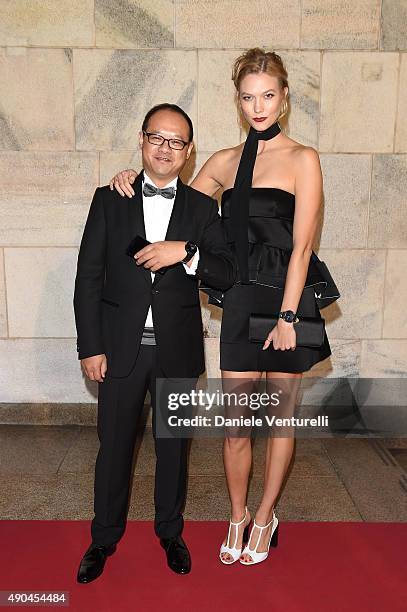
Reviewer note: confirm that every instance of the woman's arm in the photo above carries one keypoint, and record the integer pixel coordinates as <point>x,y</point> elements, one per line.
<point>308,197</point>
<point>210,177</point>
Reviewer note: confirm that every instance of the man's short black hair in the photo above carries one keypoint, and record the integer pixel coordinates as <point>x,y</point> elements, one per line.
<point>171,107</point>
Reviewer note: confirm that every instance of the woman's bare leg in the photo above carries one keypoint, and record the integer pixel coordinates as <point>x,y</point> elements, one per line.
<point>237,457</point>
<point>278,457</point>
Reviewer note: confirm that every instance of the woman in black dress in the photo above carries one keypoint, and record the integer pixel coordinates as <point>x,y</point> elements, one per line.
<point>270,209</point>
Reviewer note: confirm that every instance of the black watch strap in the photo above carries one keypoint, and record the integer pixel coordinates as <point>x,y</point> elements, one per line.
<point>191,249</point>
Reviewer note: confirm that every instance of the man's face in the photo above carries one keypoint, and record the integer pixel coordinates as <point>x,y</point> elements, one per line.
<point>161,162</point>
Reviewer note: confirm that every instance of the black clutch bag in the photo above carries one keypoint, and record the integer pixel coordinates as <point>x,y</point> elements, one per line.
<point>309,331</point>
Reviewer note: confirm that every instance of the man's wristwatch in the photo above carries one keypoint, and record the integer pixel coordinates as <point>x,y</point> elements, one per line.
<point>288,315</point>
<point>191,249</point>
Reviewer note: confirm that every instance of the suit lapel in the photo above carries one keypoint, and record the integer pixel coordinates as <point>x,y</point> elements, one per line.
<point>177,212</point>
<point>176,219</point>
<point>136,213</point>
<point>136,218</point>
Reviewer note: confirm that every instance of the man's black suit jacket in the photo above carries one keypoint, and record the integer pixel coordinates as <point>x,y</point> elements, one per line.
<point>113,294</point>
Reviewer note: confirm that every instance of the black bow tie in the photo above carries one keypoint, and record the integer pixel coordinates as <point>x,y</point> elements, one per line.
<point>149,191</point>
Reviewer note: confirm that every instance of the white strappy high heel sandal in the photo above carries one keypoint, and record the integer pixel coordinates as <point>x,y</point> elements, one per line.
<point>257,557</point>
<point>232,550</point>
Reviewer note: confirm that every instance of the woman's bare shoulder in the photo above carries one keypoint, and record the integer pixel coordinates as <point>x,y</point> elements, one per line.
<point>222,164</point>
<point>301,151</point>
<point>225,156</point>
<point>302,158</point>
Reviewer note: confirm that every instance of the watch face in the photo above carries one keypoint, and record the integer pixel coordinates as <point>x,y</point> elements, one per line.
<point>288,316</point>
<point>190,249</point>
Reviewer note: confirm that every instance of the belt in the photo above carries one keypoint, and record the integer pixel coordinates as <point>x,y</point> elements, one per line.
<point>148,336</point>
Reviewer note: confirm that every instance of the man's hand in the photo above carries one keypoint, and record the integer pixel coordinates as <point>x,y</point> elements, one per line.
<point>95,367</point>
<point>161,254</point>
<point>123,181</point>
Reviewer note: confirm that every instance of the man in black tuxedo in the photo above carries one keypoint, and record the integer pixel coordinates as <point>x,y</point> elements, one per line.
<point>138,318</point>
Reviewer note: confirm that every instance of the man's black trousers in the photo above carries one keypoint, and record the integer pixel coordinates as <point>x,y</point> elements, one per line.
<point>120,405</point>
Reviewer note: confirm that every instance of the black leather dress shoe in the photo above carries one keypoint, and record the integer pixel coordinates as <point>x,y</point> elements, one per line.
<point>93,562</point>
<point>178,557</point>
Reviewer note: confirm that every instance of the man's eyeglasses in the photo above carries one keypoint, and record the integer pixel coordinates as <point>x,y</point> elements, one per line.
<point>173,143</point>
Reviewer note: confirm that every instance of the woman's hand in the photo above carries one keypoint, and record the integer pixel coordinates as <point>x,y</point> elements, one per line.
<point>123,181</point>
<point>282,336</point>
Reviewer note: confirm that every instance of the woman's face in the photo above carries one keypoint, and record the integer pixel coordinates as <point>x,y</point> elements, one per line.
<point>261,98</point>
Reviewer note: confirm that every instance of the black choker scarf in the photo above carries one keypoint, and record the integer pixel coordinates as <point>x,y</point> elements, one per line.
<point>240,197</point>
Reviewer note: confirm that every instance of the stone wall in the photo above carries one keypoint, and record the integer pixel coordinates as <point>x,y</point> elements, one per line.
<point>78,76</point>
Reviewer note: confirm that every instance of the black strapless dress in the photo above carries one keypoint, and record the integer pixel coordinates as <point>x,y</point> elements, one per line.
<point>271,215</point>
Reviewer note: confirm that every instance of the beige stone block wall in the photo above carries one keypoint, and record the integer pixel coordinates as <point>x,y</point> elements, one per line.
<point>394,31</point>
<point>115,88</point>
<point>40,283</point>
<point>401,132</point>
<point>360,274</point>
<point>3,307</point>
<point>395,295</point>
<point>344,362</point>
<point>304,74</point>
<point>78,78</point>
<point>42,370</point>
<point>346,200</point>
<point>37,103</point>
<point>134,24</point>
<point>45,197</point>
<point>112,162</point>
<point>340,24</point>
<point>388,219</point>
<point>236,23</point>
<point>358,102</point>
<point>47,23</point>
<point>219,126</point>
<point>384,358</point>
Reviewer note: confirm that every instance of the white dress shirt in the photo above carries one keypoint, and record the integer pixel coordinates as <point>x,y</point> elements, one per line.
<point>157,212</point>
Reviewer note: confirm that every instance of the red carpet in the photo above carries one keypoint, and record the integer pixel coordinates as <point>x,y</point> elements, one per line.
<point>317,567</point>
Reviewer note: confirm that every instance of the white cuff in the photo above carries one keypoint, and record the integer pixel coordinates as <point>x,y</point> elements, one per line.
<point>191,269</point>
